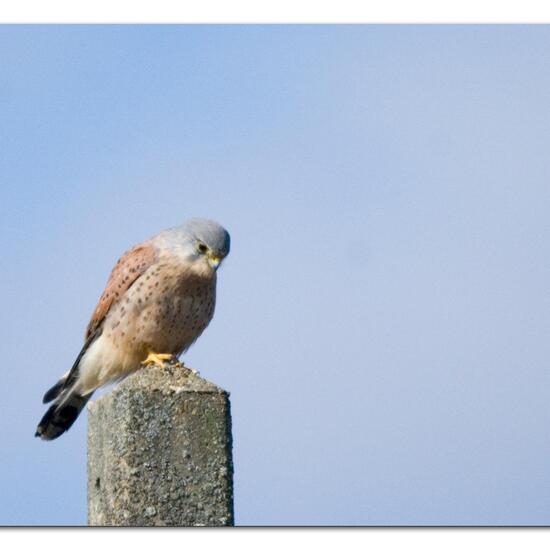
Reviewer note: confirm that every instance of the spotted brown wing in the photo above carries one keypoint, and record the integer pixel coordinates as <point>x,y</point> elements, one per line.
<point>126,271</point>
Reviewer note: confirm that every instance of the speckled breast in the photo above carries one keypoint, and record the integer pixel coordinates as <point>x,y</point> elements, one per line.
<point>166,310</point>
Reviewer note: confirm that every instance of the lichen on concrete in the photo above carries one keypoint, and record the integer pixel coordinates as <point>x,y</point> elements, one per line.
<point>159,452</point>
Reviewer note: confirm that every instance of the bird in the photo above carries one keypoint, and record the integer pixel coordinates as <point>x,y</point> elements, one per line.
<point>159,298</point>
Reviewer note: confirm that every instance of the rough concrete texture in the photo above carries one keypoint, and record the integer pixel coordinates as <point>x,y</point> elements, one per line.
<point>159,452</point>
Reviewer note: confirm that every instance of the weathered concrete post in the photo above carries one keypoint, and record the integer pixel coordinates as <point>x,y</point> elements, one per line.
<point>159,452</point>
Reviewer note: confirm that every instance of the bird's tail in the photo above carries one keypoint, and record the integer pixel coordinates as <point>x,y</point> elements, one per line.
<point>68,402</point>
<point>64,411</point>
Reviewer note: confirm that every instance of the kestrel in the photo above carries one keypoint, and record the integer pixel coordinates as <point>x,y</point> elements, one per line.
<point>159,298</point>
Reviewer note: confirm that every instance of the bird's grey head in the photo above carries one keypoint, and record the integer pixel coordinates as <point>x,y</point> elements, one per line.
<point>199,240</point>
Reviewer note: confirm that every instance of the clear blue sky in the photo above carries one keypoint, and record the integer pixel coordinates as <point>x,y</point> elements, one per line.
<point>382,322</point>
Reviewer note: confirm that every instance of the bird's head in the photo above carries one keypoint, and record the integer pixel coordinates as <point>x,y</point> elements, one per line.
<point>203,242</point>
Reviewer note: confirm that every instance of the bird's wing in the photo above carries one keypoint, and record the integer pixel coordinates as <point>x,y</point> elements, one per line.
<point>125,273</point>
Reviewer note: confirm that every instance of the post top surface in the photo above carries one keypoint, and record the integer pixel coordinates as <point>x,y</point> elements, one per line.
<point>168,380</point>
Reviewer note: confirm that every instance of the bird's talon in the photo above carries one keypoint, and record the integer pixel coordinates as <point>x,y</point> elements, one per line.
<point>159,359</point>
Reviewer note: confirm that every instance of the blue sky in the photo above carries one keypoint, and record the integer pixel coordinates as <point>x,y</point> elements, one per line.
<point>382,319</point>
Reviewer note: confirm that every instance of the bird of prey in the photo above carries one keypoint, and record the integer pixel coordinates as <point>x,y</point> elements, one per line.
<point>159,298</point>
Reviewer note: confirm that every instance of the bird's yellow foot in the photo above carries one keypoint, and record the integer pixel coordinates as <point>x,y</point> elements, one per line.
<point>161,360</point>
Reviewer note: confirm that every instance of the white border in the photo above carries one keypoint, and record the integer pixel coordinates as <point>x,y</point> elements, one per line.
<point>282,11</point>
<point>244,539</point>
<point>274,11</point>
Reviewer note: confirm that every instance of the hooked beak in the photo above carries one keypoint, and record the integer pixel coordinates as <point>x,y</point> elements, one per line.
<point>214,262</point>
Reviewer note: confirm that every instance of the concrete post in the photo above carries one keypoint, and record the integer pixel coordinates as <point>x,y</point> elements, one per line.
<point>159,452</point>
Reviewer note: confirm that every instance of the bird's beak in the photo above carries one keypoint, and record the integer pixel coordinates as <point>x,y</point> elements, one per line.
<point>214,262</point>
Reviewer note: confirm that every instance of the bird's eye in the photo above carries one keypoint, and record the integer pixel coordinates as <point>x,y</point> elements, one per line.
<point>202,248</point>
